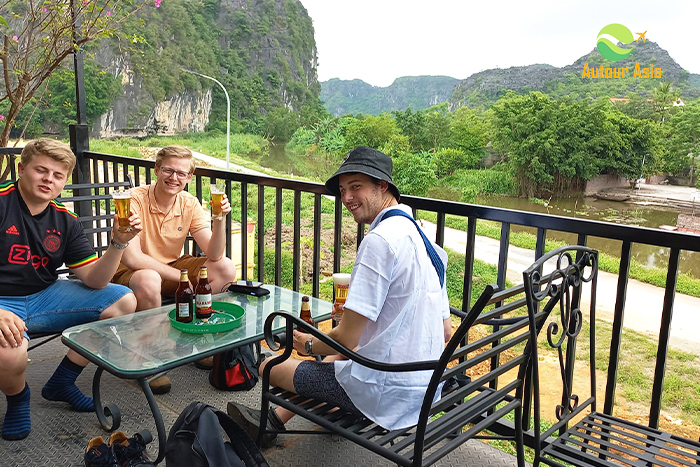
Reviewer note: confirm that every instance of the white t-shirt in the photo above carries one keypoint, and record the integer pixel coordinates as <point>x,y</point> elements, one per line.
<point>394,285</point>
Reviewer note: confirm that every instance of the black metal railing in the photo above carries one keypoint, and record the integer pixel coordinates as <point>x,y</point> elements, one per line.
<point>106,167</point>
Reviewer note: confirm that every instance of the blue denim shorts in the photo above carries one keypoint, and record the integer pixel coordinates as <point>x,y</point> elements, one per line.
<point>63,304</point>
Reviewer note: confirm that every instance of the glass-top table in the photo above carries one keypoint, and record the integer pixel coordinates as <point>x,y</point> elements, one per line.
<point>144,344</point>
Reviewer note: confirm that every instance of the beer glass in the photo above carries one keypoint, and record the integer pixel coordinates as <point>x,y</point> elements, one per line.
<point>341,284</point>
<point>217,195</point>
<point>122,203</point>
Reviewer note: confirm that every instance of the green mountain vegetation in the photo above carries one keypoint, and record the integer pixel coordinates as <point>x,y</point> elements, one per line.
<point>484,88</point>
<point>263,52</point>
<point>341,97</point>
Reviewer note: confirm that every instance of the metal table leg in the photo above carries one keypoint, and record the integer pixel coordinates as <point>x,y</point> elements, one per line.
<point>160,426</point>
<point>110,410</point>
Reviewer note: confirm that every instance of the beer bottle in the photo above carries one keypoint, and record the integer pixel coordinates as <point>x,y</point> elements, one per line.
<point>305,314</point>
<point>203,296</point>
<point>184,299</point>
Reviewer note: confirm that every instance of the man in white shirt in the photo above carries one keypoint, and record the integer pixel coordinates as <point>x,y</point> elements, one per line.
<point>396,310</point>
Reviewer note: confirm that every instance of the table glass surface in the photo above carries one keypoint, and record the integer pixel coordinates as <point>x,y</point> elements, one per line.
<point>145,341</point>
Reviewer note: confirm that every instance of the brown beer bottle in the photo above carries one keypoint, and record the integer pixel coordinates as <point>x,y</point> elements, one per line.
<point>203,296</point>
<point>306,310</point>
<point>184,299</point>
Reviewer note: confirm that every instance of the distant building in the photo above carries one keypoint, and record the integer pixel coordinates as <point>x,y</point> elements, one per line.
<point>678,103</point>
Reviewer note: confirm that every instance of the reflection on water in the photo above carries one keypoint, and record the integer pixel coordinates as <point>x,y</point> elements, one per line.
<point>299,165</point>
<point>277,160</point>
<point>606,211</point>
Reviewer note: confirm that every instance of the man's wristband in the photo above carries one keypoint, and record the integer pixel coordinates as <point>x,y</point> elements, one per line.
<point>118,246</point>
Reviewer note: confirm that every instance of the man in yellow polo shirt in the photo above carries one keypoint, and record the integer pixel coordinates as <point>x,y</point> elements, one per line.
<point>151,266</point>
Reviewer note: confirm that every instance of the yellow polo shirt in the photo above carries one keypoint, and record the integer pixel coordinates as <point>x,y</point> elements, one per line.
<point>164,233</point>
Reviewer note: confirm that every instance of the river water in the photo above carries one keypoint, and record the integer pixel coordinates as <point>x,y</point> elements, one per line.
<point>605,211</point>
<point>583,208</point>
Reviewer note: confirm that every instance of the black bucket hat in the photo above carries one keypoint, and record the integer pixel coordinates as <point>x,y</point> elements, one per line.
<point>366,161</point>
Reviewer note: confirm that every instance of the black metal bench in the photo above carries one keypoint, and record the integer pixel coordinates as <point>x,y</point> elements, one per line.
<point>582,436</point>
<point>484,381</point>
<point>97,224</point>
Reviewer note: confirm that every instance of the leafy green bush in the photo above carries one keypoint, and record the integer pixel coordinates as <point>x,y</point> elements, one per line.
<point>413,174</point>
<point>303,137</point>
<point>469,194</point>
<point>486,181</point>
<point>447,160</point>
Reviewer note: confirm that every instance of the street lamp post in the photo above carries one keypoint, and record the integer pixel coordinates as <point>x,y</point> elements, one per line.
<point>228,113</point>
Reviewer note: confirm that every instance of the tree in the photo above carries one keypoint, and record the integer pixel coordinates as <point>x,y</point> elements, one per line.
<point>664,97</point>
<point>437,126</point>
<point>373,131</point>
<point>37,36</point>
<point>468,134</point>
<point>412,125</point>
<point>280,124</point>
<point>556,145</point>
<point>639,107</point>
<point>414,173</point>
<point>685,140</point>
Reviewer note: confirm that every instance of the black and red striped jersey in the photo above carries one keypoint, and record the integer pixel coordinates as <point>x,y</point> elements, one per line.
<point>32,248</point>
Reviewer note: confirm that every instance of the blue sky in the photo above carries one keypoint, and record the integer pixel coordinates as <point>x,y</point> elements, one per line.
<point>380,40</point>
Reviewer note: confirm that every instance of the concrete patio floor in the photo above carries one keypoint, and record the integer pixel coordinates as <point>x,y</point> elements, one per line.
<point>59,435</point>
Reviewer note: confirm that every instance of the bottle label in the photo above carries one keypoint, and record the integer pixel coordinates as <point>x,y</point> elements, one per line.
<point>203,302</point>
<point>183,310</point>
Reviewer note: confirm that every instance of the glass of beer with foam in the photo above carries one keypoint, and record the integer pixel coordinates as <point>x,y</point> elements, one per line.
<point>341,284</point>
<point>122,203</point>
<point>217,195</point>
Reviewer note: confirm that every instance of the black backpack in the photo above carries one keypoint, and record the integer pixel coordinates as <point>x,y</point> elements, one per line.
<point>235,370</point>
<point>195,441</point>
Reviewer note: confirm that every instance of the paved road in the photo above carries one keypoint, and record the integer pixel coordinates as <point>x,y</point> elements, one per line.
<point>643,305</point>
<point>219,164</point>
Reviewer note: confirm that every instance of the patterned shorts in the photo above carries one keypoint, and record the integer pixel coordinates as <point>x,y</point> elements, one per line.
<point>317,380</point>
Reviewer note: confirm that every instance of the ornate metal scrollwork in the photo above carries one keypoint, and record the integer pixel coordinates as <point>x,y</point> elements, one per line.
<point>560,289</point>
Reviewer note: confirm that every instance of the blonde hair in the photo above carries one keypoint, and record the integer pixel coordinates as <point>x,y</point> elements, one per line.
<point>56,150</point>
<point>178,151</point>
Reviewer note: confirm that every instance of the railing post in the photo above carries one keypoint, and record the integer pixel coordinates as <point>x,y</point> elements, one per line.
<point>79,143</point>
<point>664,337</point>
<point>619,316</point>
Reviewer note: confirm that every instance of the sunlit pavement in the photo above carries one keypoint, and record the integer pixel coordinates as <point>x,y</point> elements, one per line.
<point>59,435</point>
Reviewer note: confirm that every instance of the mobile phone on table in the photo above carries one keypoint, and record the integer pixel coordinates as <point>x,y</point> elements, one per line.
<point>248,287</point>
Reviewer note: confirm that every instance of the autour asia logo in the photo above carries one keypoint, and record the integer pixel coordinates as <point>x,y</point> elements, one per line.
<point>610,51</point>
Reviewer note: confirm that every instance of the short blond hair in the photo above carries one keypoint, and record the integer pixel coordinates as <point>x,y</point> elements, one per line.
<point>178,151</point>
<point>56,150</point>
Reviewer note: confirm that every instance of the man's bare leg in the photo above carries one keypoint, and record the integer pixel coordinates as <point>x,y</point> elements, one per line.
<point>146,285</point>
<point>13,363</point>
<point>221,273</point>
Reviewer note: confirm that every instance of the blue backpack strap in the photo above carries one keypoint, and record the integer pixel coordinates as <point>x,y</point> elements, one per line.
<point>437,262</point>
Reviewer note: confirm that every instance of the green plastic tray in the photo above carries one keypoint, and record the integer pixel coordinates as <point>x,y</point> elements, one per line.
<point>231,318</point>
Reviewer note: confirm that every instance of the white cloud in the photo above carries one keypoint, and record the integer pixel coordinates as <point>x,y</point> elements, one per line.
<point>380,40</point>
